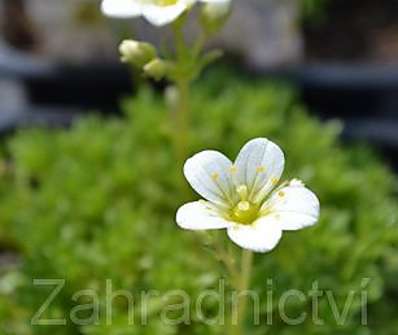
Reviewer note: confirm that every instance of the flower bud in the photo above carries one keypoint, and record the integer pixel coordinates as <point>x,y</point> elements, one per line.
<point>217,10</point>
<point>214,14</point>
<point>157,68</point>
<point>137,53</point>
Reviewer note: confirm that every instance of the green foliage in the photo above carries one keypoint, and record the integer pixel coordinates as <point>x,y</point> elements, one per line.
<point>98,202</point>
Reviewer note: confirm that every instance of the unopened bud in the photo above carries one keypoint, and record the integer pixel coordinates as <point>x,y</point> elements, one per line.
<point>217,10</point>
<point>137,53</point>
<point>157,68</point>
<point>215,14</point>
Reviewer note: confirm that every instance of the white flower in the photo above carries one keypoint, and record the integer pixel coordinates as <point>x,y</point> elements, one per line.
<point>242,197</point>
<point>157,12</point>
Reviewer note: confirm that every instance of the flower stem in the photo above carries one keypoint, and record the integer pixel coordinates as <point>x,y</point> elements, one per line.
<point>183,84</point>
<point>237,320</point>
<point>240,277</point>
<point>227,259</point>
<point>182,119</point>
<point>189,64</point>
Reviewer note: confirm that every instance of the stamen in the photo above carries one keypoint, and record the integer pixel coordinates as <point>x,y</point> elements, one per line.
<point>215,176</point>
<point>260,169</point>
<point>261,194</point>
<point>257,180</point>
<point>244,206</point>
<point>214,208</point>
<point>243,192</point>
<point>265,210</point>
<point>226,193</point>
<point>233,169</point>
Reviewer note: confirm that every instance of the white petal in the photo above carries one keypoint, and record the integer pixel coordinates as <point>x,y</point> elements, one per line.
<point>262,236</point>
<point>208,172</point>
<point>121,8</point>
<point>294,206</point>
<point>161,15</point>
<point>198,216</point>
<point>259,165</point>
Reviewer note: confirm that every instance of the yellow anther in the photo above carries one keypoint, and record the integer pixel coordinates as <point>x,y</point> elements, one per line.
<point>165,2</point>
<point>215,176</point>
<point>242,191</point>
<point>281,194</point>
<point>260,169</point>
<point>274,181</point>
<point>244,206</point>
<point>233,169</point>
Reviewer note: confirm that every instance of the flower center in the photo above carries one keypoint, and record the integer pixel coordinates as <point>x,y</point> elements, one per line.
<point>244,212</point>
<point>165,2</point>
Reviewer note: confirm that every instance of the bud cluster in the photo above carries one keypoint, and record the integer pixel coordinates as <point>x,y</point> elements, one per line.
<point>143,55</point>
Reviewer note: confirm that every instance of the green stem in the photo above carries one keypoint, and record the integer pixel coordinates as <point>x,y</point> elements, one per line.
<point>243,285</point>
<point>182,119</point>
<point>188,60</point>
<point>183,82</point>
<point>227,259</point>
<point>199,45</point>
<point>240,278</point>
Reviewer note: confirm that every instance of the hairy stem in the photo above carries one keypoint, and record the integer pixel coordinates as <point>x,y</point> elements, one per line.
<point>239,311</point>
<point>182,119</point>
<point>183,85</point>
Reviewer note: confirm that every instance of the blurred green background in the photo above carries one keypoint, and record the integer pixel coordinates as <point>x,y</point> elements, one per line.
<point>96,201</point>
